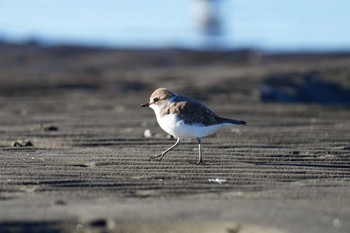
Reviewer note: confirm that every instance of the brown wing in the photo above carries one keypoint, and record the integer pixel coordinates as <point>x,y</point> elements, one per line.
<point>194,112</point>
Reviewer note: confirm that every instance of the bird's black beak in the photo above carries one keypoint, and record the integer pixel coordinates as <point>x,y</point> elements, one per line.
<point>144,105</point>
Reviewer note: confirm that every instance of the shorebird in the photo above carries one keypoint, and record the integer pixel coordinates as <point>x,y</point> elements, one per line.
<point>184,117</point>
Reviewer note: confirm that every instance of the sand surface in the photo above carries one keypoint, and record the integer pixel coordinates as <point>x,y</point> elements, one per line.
<point>88,170</point>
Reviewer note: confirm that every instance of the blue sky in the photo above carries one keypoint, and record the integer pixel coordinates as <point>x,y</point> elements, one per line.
<point>269,24</point>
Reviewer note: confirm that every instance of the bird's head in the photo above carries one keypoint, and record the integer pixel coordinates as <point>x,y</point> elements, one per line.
<point>159,99</point>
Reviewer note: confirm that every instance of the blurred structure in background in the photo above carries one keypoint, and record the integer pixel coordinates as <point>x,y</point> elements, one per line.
<point>209,17</point>
<point>210,22</point>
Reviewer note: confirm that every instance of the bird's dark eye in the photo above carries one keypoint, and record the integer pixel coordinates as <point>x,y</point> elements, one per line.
<point>156,99</point>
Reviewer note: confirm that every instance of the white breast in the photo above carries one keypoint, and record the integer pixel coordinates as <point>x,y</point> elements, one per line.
<point>168,123</point>
<point>174,126</point>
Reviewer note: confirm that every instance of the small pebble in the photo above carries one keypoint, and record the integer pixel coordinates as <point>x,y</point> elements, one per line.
<point>236,130</point>
<point>22,143</point>
<point>147,133</point>
<point>42,127</point>
<point>217,180</point>
<point>79,226</point>
<point>337,223</point>
<point>50,128</point>
<point>170,136</point>
<point>98,223</point>
<point>60,202</point>
<point>103,223</point>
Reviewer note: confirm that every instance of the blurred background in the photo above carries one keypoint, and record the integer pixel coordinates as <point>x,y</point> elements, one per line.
<point>264,51</point>
<point>268,25</point>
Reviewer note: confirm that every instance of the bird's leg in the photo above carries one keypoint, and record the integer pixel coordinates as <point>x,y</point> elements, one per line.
<point>200,158</point>
<point>160,156</point>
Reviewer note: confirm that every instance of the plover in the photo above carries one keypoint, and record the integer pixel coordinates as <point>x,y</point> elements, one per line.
<point>183,117</point>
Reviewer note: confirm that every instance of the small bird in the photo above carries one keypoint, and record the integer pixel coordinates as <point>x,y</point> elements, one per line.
<point>183,117</point>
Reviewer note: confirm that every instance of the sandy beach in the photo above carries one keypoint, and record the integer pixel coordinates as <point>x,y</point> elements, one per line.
<point>88,167</point>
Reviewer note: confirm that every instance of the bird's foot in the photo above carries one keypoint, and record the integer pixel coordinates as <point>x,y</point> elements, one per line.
<point>158,157</point>
<point>198,162</point>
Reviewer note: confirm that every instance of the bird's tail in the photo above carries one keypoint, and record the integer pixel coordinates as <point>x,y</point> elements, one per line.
<point>221,120</point>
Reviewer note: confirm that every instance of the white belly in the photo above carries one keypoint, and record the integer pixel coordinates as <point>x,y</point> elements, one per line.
<point>174,126</point>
